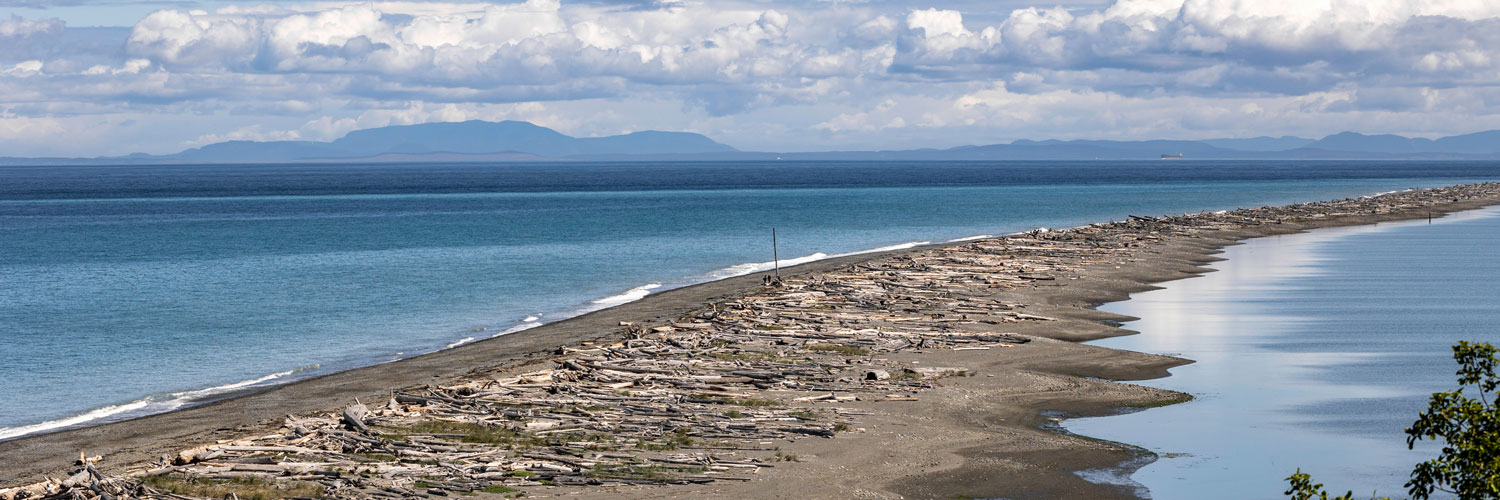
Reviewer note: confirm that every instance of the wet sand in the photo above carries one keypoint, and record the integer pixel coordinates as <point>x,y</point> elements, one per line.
<point>984,435</point>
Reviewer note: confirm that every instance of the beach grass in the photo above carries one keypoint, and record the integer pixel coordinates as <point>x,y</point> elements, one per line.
<point>244,488</point>
<point>847,350</point>
<point>468,432</point>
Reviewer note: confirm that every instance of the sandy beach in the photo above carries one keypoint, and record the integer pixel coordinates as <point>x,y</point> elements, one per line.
<point>944,368</point>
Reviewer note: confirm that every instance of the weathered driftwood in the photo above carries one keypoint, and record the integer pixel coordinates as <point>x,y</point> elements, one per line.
<point>354,417</point>
<point>693,399</point>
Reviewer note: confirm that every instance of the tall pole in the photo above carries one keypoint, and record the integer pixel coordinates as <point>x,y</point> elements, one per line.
<point>775,256</point>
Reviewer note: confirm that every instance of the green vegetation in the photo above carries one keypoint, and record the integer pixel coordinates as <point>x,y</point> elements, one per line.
<point>754,402</point>
<point>489,434</point>
<point>522,473</point>
<point>678,439</point>
<point>737,402</point>
<point>639,472</point>
<point>1469,465</point>
<point>847,350</point>
<point>468,432</point>
<point>904,374</point>
<point>244,488</point>
<point>377,457</point>
<point>752,356</point>
<point>735,414</point>
<point>498,489</point>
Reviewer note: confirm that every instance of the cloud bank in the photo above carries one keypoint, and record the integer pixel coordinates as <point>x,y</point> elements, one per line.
<point>758,75</point>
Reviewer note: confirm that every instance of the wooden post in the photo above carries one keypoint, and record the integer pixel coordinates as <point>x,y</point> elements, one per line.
<point>775,256</point>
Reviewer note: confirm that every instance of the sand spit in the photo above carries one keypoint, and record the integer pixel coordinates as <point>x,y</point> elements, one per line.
<point>926,373</point>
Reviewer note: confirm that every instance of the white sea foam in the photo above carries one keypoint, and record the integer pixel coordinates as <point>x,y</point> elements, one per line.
<point>92,415</point>
<point>630,295</point>
<point>185,397</point>
<point>902,246</point>
<point>642,291</point>
<point>1383,193</point>
<point>517,328</point>
<point>146,405</point>
<point>169,402</point>
<point>971,238</point>
<point>755,267</point>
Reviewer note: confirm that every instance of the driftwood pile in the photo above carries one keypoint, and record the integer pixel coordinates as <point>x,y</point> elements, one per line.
<point>700,399</point>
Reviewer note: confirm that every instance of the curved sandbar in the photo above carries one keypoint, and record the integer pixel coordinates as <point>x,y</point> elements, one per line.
<point>965,436</point>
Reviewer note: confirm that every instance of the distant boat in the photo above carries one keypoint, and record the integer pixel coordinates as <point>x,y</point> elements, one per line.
<point>1177,156</point>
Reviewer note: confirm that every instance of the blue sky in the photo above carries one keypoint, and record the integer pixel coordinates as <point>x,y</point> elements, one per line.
<point>108,77</point>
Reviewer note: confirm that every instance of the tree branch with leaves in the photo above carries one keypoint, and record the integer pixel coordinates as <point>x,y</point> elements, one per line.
<point>1466,419</point>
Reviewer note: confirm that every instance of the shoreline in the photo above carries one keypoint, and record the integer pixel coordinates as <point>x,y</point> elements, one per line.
<point>191,398</point>
<point>1027,464</point>
<point>1252,328</point>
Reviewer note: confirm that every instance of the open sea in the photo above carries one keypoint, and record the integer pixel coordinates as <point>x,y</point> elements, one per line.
<point>129,290</point>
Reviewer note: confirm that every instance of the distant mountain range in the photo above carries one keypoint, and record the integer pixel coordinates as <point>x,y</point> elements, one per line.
<point>509,141</point>
<point>476,140</point>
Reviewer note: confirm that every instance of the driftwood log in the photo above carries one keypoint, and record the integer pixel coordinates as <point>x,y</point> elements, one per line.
<point>689,400</point>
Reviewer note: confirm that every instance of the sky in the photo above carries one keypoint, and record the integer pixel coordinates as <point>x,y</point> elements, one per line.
<point>113,77</point>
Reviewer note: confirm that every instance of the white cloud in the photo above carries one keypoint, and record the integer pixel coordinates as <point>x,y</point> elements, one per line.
<point>130,67</point>
<point>936,23</point>
<point>846,74</point>
<point>17,27</point>
<point>24,69</point>
<point>542,42</point>
<point>20,128</point>
<point>246,133</point>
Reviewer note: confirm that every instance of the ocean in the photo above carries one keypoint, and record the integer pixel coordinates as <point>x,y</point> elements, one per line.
<point>1314,351</point>
<point>130,290</point>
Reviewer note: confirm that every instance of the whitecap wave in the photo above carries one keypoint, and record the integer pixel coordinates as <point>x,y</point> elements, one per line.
<point>146,405</point>
<point>755,267</point>
<point>971,238</point>
<point>532,318</point>
<point>89,416</point>
<point>460,342</point>
<point>517,328</point>
<point>178,399</point>
<point>630,295</point>
<point>901,246</point>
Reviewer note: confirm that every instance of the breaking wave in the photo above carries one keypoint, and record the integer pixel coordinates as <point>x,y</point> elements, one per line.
<point>146,405</point>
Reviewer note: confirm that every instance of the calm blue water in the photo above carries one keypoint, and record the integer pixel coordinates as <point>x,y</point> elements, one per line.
<point>134,289</point>
<point>1313,351</point>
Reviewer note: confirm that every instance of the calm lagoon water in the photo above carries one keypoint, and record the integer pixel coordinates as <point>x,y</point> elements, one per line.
<point>127,290</point>
<point>1313,350</point>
